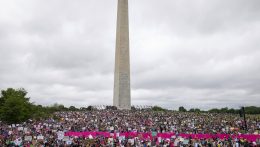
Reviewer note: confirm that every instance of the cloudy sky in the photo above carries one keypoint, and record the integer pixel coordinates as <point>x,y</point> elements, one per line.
<point>197,53</point>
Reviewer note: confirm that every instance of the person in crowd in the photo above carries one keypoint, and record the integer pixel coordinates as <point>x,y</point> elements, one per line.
<point>52,132</point>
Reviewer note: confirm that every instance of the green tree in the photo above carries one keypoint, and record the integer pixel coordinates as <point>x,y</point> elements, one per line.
<point>73,108</point>
<point>89,108</point>
<point>15,106</point>
<point>62,108</point>
<point>158,108</point>
<point>252,110</point>
<point>197,110</point>
<point>192,110</point>
<point>224,110</point>
<point>182,109</point>
<point>214,110</point>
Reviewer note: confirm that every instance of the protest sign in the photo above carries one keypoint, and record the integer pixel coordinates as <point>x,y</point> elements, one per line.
<point>20,129</point>
<point>66,138</point>
<point>40,137</point>
<point>154,133</point>
<point>28,138</point>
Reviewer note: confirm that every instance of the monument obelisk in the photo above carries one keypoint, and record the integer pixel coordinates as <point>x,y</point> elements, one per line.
<point>122,89</point>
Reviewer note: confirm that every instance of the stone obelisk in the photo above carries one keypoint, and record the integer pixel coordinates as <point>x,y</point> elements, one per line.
<point>122,90</point>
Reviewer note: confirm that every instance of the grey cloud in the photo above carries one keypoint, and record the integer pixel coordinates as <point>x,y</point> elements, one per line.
<point>196,54</point>
<point>188,17</point>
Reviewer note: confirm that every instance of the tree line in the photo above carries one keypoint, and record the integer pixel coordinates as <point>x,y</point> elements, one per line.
<point>15,107</point>
<point>248,110</point>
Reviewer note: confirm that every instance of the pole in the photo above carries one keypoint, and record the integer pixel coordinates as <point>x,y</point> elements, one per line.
<point>244,115</point>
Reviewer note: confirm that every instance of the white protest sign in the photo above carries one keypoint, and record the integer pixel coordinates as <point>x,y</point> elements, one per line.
<point>68,142</point>
<point>28,138</point>
<point>90,137</point>
<point>159,139</point>
<point>40,137</point>
<point>25,130</point>
<point>60,135</point>
<point>112,128</point>
<point>54,131</point>
<point>66,138</point>
<point>20,128</point>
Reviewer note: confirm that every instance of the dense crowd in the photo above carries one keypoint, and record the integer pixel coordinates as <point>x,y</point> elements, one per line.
<point>52,131</point>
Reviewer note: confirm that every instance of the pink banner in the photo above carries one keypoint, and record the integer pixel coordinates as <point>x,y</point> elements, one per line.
<point>249,137</point>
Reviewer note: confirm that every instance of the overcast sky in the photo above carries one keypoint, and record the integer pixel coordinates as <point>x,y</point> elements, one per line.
<point>199,53</point>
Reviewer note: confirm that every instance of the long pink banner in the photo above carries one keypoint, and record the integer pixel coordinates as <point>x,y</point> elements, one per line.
<point>249,137</point>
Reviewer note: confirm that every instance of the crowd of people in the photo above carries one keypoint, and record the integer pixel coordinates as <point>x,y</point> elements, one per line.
<point>52,132</point>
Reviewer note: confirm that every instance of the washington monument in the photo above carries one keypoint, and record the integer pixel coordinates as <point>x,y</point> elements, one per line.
<point>122,89</point>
